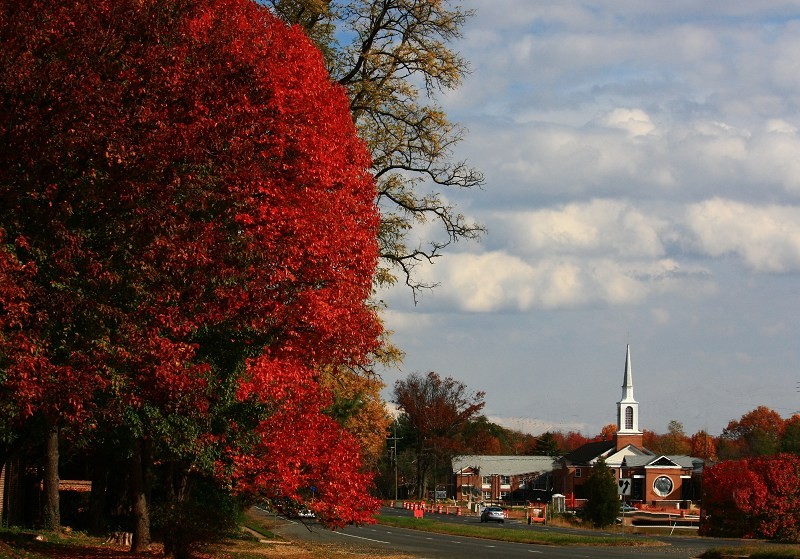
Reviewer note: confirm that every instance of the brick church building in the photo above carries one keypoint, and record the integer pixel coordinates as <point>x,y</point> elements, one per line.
<point>658,480</point>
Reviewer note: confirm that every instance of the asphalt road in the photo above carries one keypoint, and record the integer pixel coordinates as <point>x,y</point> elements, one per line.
<point>377,540</point>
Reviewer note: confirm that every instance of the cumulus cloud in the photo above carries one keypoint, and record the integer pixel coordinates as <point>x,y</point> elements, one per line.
<point>767,238</point>
<point>626,154</point>
<point>642,173</point>
<point>497,281</point>
<point>600,226</point>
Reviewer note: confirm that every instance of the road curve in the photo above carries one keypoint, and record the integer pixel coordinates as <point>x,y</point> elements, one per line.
<point>382,540</point>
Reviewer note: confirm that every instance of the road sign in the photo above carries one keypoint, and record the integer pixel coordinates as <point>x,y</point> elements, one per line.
<point>624,486</point>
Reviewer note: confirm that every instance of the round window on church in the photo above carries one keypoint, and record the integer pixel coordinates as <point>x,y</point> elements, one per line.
<point>662,486</point>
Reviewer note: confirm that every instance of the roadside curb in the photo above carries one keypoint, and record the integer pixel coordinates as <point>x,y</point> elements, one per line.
<point>261,538</point>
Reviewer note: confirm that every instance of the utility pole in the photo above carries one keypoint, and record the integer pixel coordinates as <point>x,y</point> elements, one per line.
<point>394,440</point>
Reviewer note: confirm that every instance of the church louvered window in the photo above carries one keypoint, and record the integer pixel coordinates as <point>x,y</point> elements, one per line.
<point>629,417</point>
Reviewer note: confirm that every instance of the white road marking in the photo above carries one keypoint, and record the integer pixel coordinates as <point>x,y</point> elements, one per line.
<point>360,537</point>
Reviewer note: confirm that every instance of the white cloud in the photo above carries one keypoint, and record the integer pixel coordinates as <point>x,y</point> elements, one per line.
<point>634,121</point>
<point>773,155</point>
<point>600,226</point>
<point>767,238</point>
<point>642,181</point>
<point>497,281</point>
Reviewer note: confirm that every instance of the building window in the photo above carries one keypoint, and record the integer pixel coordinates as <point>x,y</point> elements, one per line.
<point>505,480</point>
<point>486,480</point>
<point>504,495</point>
<point>629,417</point>
<point>466,490</point>
<point>637,489</point>
<point>487,495</point>
<point>577,472</point>
<point>663,486</point>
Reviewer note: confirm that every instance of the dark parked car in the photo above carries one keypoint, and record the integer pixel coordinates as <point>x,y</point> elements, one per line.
<point>493,514</point>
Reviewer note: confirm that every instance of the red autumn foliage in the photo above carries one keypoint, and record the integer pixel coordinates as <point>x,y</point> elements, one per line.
<point>753,498</point>
<point>188,225</point>
<point>570,441</point>
<point>756,433</point>
<point>703,446</point>
<point>608,432</point>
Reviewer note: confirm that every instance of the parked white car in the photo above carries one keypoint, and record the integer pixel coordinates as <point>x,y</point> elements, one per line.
<point>493,514</point>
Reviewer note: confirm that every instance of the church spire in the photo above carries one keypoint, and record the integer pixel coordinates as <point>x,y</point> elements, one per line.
<point>627,383</point>
<point>628,409</point>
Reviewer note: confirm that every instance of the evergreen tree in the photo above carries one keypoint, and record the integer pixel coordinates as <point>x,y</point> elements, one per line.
<point>790,442</point>
<point>602,506</point>
<point>547,445</point>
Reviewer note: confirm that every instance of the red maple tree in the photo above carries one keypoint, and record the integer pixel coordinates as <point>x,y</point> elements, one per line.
<point>189,234</point>
<point>753,498</point>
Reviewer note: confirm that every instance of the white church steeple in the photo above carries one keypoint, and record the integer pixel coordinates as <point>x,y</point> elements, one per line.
<point>628,431</point>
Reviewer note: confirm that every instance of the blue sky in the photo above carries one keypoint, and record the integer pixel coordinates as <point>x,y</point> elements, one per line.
<point>642,165</point>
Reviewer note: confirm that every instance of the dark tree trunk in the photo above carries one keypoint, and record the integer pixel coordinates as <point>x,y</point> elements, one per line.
<point>97,498</point>
<point>176,491</point>
<point>422,471</point>
<point>52,513</point>
<point>171,499</point>
<point>139,480</point>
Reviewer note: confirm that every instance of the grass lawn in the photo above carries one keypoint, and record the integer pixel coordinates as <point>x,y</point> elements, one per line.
<point>516,536</point>
<point>23,545</point>
<point>258,541</point>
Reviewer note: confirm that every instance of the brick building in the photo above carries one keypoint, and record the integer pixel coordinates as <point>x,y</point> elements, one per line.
<point>657,480</point>
<point>503,479</point>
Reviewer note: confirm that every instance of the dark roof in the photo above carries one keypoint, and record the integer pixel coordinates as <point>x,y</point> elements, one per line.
<point>588,452</point>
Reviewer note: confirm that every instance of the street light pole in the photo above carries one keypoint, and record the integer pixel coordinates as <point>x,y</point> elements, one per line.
<point>394,456</point>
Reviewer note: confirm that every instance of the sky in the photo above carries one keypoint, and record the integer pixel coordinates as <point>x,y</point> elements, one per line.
<point>642,164</point>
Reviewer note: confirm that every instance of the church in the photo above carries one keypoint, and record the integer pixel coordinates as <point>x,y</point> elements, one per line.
<point>655,480</point>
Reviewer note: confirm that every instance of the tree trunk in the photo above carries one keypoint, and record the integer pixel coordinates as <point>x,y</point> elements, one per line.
<point>176,542</point>
<point>97,498</point>
<point>139,478</point>
<point>52,513</point>
<point>422,471</point>
<point>171,498</point>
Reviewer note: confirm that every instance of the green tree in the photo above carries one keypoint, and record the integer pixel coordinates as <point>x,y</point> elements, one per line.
<point>790,442</point>
<point>602,506</point>
<point>547,445</point>
<point>393,57</point>
<point>675,441</point>
<point>481,436</point>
